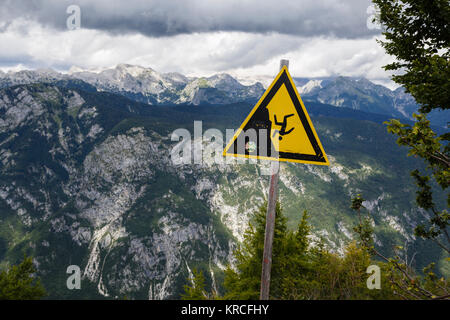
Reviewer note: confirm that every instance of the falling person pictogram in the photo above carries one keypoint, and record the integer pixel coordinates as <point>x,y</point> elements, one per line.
<point>278,128</point>
<point>302,146</point>
<point>283,125</point>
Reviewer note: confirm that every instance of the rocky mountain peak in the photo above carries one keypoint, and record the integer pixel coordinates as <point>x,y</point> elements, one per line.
<point>133,70</point>
<point>147,85</point>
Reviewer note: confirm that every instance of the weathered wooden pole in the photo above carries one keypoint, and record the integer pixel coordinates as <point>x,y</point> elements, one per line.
<point>270,223</point>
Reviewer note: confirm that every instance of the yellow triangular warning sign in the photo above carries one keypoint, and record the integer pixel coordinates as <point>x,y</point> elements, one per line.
<point>278,128</point>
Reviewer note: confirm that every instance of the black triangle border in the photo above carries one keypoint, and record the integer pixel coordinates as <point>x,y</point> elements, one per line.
<point>319,156</point>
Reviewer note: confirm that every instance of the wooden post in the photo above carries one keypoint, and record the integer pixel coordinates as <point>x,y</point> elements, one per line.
<point>270,223</point>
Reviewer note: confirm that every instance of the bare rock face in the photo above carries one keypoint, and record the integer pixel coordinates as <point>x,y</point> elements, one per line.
<point>147,85</point>
<point>100,199</point>
<point>88,182</point>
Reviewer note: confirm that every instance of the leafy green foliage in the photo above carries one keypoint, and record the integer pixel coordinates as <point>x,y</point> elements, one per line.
<point>404,281</point>
<point>300,270</point>
<point>423,143</point>
<point>18,282</point>
<point>417,34</point>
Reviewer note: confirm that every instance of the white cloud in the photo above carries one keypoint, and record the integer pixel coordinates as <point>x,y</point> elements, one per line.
<point>341,18</point>
<point>29,44</point>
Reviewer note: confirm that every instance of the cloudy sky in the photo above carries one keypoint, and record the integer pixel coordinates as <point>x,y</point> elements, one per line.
<point>195,37</point>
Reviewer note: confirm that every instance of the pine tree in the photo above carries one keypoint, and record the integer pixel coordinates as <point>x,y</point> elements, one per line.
<point>196,291</point>
<point>300,269</point>
<point>18,283</point>
<point>245,282</point>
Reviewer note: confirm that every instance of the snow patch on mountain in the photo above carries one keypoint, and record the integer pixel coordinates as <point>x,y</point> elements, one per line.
<point>310,86</point>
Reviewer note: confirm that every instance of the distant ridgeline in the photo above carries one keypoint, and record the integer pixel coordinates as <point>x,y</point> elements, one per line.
<point>86,179</point>
<point>148,86</point>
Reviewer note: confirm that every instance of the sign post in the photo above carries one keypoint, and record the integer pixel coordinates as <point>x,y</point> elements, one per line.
<point>270,222</point>
<point>279,129</point>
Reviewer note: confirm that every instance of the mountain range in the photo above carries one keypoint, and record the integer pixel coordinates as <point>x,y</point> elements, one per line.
<point>86,177</point>
<point>149,86</point>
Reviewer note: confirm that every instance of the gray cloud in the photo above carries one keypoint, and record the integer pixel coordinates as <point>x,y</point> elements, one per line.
<point>338,18</point>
